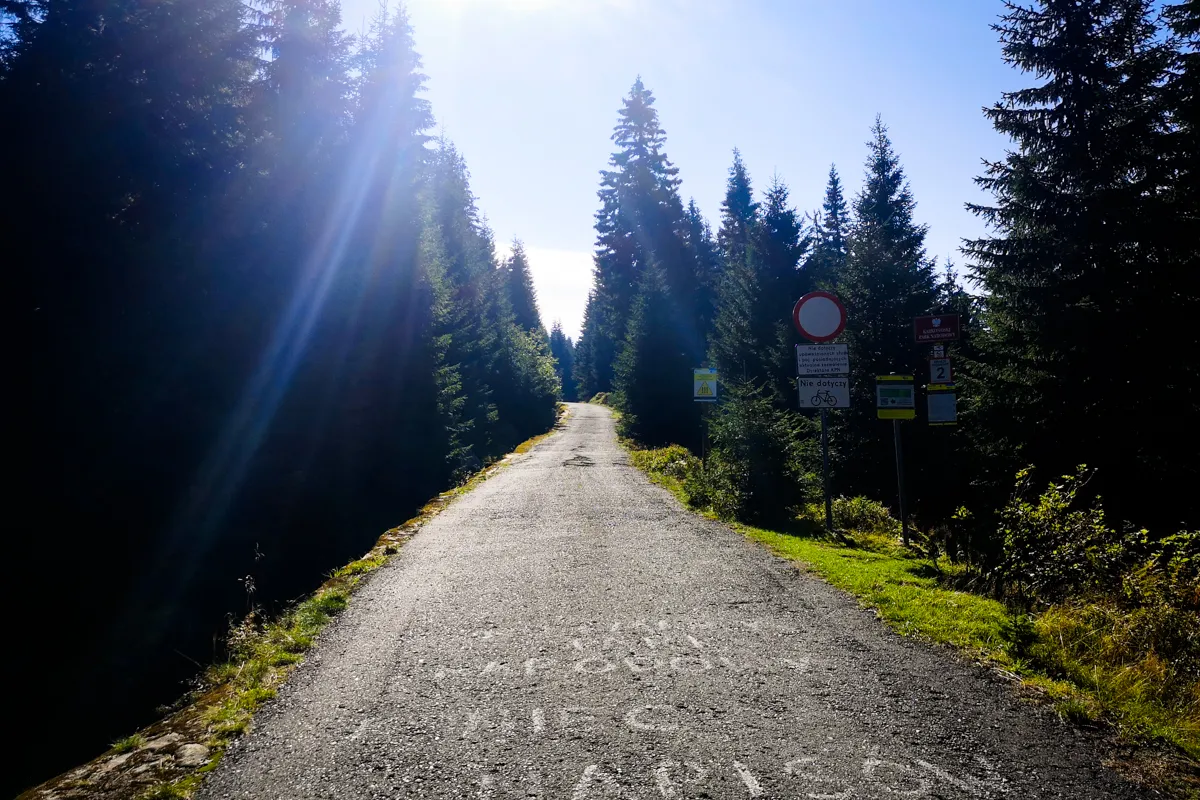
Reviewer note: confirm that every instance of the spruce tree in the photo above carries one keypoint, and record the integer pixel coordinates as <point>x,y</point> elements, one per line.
<point>752,337</point>
<point>739,213</point>
<point>641,221</point>
<point>698,237</point>
<point>1083,270</point>
<point>563,350</point>
<point>887,280</point>
<point>653,373</point>
<point>519,287</point>
<point>831,227</point>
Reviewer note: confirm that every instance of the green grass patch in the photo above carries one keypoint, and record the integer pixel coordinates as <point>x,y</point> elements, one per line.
<point>905,592</point>
<point>128,743</point>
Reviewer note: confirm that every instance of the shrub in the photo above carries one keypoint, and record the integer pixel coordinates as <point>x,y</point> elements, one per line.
<point>756,468</point>
<point>675,461</point>
<point>864,515</point>
<point>1056,546</point>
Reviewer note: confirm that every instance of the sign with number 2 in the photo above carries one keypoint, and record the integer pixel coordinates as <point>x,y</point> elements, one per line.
<point>939,370</point>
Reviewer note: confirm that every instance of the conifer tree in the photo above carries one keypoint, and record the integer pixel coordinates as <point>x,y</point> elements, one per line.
<point>587,378</point>
<point>699,239</point>
<point>887,280</point>
<point>641,220</point>
<point>739,213</point>
<point>1082,270</point>
<point>752,337</point>
<point>831,227</point>
<point>563,350</point>
<point>519,287</point>
<point>653,371</point>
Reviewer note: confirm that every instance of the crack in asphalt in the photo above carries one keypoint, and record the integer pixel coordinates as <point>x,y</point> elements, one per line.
<point>567,633</point>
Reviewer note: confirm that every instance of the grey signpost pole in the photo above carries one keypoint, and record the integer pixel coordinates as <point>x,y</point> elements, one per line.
<point>900,480</point>
<point>825,469</point>
<point>820,317</point>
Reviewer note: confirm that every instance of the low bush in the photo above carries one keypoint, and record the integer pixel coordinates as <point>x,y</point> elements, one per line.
<point>758,465</point>
<point>1058,545</point>
<point>674,461</point>
<point>864,515</point>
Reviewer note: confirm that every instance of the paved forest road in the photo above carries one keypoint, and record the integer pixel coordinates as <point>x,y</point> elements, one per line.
<point>567,630</point>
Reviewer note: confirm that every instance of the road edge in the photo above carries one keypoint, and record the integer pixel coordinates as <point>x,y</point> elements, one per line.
<point>170,757</point>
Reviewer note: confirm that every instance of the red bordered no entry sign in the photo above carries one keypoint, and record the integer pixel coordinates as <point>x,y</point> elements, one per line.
<point>819,316</point>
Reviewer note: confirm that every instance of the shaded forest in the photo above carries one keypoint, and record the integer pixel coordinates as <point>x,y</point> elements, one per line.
<point>262,321</point>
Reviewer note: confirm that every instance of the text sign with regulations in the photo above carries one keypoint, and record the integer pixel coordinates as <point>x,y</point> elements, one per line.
<point>704,385</point>
<point>895,397</point>
<point>822,359</point>
<point>943,404</point>
<point>817,393</point>
<point>936,328</point>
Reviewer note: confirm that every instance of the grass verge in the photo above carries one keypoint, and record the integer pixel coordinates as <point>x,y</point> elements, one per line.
<point>170,758</point>
<point>1068,655</point>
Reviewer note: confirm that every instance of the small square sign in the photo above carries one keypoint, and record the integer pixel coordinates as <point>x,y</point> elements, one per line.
<point>939,370</point>
<point>817,393</point>
<point>895,397</point>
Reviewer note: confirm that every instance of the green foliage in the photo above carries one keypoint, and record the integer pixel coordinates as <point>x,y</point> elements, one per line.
<point>655,409</point>
<point>1142,663</point>
<point>521,295</point>
<point>129,743</point>
<point>1092,257</point>
<point>862,514</point>
<point>644,246</point>
<point>760,460</point>
<point>563,351</point>
<point>1057,544</point>
<point>887,279</point>
<point>761,245</point>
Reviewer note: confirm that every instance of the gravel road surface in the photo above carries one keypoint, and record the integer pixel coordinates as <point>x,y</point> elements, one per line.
<point>568,630</point>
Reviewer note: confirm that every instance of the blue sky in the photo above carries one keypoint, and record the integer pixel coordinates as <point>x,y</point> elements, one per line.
<point>529,90</point>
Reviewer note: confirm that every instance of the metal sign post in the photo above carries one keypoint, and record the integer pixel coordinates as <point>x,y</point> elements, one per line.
<point>823,370</point>
<point>825,469</point>
<point>895,399</point>
<point>900,480</point>
<point>704,390</point>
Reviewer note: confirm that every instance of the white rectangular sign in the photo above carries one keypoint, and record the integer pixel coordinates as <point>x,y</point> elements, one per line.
<point>822,359</point>
<point>824,393</point>
<point>939,370</point>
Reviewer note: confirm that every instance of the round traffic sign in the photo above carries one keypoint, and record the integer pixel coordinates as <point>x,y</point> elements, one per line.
<point>819,316</point>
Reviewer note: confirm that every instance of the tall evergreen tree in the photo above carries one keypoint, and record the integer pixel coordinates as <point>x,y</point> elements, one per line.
<point>1083,271</point>
<point>831,229</point>
<point>519,288</point>
<point>563,350</point>
<point>698,237</point>
<point>887,280</point>
<point>641,221</point>
<point>752,337</point>
<point>739,213</point>
<point>653,371</point>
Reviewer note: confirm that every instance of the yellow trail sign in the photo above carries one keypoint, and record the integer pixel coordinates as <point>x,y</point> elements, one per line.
<point>704,385</point>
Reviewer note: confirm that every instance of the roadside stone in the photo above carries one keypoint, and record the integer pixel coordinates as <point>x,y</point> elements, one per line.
<point>159,742</point>
<point>113,763</point>
<point>192,755</point>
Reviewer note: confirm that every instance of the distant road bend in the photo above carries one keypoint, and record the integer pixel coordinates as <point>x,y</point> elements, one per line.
<point>568,630</point>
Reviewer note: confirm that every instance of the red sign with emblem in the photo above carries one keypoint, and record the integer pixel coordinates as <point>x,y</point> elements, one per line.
<point>936,328</point>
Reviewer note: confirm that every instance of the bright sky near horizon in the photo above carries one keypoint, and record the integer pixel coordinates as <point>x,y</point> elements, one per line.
<point>529,90</point>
